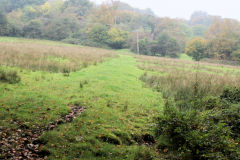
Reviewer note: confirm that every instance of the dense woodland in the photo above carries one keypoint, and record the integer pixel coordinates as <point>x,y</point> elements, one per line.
<point>117,25</point>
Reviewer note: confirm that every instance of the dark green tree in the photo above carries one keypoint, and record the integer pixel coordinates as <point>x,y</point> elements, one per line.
<point>117,38</point>
<point>33,29</point>
<point>60,28</point>
<point>167,46</point>
<point>10,5</point>
<point>78,7</point>
<point>144,46</point>
<point>196,48</point>
<point>4,26</point>
<point>199,30</point>
<point>98,34</point>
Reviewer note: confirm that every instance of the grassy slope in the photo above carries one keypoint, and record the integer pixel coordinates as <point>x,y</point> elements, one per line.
<point>185,57</point>
<point>35,41</point>
<point>118,109</point>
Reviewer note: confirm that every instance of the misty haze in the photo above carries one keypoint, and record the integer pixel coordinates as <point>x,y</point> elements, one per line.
<point>114,80</point>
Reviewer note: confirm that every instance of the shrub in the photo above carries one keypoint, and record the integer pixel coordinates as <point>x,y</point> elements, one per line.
<point>232,95</point>
<point>195,135</point>
<point>196,48</point>
<point>208,103</point>
<point>66,72</point>
<point>83,83</point>
<point>9,76</point>
<point>144,154</point>
<point>117,38</point>
<point>231,116</point>
<point>210,130</point>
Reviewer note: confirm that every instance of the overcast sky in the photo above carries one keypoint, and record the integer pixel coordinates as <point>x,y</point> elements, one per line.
<point>184,8</point>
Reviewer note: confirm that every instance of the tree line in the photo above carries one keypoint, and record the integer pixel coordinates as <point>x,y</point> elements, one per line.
<point>221,41</point>
<point>117,25</point>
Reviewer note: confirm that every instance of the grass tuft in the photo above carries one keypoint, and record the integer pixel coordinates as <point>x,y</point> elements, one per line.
<point>9,76</point>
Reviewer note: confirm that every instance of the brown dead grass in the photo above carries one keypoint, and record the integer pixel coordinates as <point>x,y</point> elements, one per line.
<point>50,57</point>
<point>182,79</point>
<point>166,65</point>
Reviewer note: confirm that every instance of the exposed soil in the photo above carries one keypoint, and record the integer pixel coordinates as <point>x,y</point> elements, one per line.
<point>23,143</point>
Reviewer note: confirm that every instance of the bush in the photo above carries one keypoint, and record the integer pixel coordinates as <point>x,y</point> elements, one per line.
<point>9,76</point>
<point>232,95</point>
<point>195,135</point>
<point>117,38</point>
<point>231,117</point>
<point>163,46</point>
<point>209,103</point>
<point>66,72</point>
<point>196,48</point>
<point>230,114</point>
<point>144,154</point>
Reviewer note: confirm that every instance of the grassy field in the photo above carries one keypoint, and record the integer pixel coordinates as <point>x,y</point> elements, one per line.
<point>35,41</point>
<point>170,75</point>
<point>166,65</point>
<point>119,110</point>
<point>118,121</point>
<point>185,57</point>
<point>49,56</point>
<point>201,114</point>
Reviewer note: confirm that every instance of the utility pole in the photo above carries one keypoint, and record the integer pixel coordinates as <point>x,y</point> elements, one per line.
<point>115,20</point>
<point>138,51</point>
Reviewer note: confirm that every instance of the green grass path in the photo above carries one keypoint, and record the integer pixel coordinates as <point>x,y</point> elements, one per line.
<point>119,109</point>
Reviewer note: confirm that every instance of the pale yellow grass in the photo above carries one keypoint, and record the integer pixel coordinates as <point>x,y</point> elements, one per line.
<point>181,77</point>
<point>50,57</point>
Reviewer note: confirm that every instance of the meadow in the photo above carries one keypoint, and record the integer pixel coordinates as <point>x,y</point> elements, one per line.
<point>49,56</point>
<point>118,109</point>
<point>122,95</point>
<point>172,75</point>
<point>200,119</point>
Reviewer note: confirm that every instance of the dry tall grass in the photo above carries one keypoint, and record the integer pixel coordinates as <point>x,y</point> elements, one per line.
<point>184,79</point>
<point>51,58</point>
<point>166,65</point>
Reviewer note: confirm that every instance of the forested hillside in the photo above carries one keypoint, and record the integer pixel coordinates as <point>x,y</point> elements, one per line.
<point>117,25</point>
